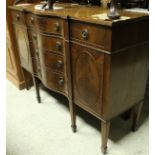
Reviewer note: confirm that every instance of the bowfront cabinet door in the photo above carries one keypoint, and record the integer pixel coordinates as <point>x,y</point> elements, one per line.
<point>23,47</point>
<point>87,74</point>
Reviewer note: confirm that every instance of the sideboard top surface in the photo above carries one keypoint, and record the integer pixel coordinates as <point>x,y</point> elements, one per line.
<point>93,14</point>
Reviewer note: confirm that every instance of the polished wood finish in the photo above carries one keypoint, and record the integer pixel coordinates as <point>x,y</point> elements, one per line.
<point>84,32</point>
<point>50,25</point>
<point>18,17</point>
<point>54,62</point>
<point>87,70</point>
<point>49,43</point>
<point>100,65</point>
<point>56,81</point>
<point>105,127</point>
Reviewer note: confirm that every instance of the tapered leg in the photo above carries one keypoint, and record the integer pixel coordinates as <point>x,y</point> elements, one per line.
<point>105,127</point>
<point>136,111</point>
<point>36,85</point>
<point>25,79</point>
<point>73,115</point>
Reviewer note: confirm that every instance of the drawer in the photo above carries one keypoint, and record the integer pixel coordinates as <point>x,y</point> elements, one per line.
<point>50,43</point>
<point>36,68</point>
<point>93,34</point>
<point>30,20</point>
<point>50,25</point>
<point>18,17</point>
<point>56,81</point>
<point>54,61</point>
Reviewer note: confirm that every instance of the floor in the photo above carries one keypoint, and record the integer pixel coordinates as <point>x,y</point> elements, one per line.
<point>44,129</point>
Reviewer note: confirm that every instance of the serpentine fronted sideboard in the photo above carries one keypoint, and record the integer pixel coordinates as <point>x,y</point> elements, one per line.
<point>100,65</point>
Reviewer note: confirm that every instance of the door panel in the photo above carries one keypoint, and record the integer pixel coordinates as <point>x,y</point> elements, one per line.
<point>87,72</point>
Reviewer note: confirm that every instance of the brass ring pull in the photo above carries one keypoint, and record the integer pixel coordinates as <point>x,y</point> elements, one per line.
<point>58,45</point>
<point>85,33</point>
<point>61,81</point>
<point>59,63</point>
<point>57,27</point>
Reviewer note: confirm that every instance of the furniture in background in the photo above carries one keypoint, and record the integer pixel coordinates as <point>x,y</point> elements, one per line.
<point>100,65</point>
<point>14,71</point>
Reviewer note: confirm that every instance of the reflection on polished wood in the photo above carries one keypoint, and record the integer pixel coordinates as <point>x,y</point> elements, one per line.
<point>100,65</point>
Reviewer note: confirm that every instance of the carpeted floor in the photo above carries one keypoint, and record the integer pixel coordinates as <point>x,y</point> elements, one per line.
<point>44,129</point>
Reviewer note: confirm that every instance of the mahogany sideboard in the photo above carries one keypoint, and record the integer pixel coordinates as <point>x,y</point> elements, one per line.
<point>100,65</point>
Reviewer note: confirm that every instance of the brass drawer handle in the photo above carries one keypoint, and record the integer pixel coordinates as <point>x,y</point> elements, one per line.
<point>57,27</point>
<point>32,20</point>
<point>59,63</point>
<point>18,17</point>
<point>58,45</point>
<point>61,81</point>
<point>85,33</point>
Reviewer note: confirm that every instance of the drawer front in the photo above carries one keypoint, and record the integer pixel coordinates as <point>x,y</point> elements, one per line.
<point>50,25</point>
<point>30,20</point>
<point>56,81</point>
<point>54,62</point>
<point>50,43</point>
<point>18,17</point>
<point>94,34</point>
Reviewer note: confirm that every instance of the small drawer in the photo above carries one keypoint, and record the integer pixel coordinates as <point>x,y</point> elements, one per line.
<point>93,34</point>
<point>50,25</point>
<point>18,17</point>
<point>54,62</point>
<point>56,81</point>
<point>50,43</point>
<point>30,20</point>
<point>36,68</point>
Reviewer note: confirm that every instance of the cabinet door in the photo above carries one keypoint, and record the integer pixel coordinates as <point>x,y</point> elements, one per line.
<point>23,47</point>
<point>87,74</point>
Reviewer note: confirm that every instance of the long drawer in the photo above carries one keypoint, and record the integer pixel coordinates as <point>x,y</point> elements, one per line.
<point>50,43</point>
<point>56,81</point>
<point>50,25</point>
<point>54,61</point>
